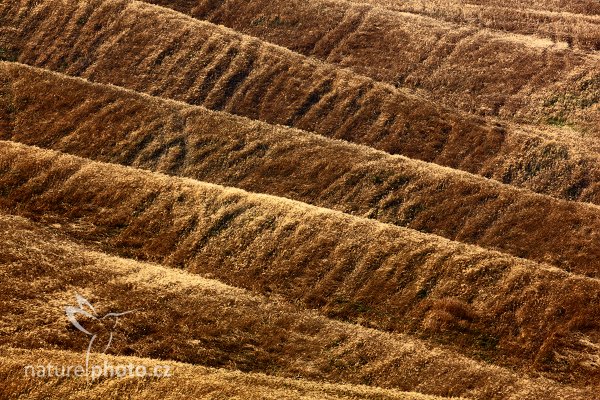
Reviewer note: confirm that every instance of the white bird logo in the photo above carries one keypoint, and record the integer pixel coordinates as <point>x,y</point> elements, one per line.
<point>72,313</point>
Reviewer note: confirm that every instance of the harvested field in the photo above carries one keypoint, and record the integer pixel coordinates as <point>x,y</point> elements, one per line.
<point>279,87</point>
<point>397,281</point>
<point>575,23</point>
<point>319,199</point>
<point>489,73</point>
<point>205,64</point>
<point>187,382</point>
<point>207,146</point>
<point>588,7</point>
<point>220,326</point>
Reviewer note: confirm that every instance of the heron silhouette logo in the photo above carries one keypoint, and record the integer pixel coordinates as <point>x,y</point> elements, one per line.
<point>85,309</point>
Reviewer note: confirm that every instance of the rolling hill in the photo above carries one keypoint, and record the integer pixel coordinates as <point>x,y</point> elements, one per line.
<point>191,381</point>
<point>213,324</point>
<point>272,84</point>
<point>398,280</point>
<point>319,199</point>
<point>574,22</point>
<point>215,147</point>
<point>478,70</point>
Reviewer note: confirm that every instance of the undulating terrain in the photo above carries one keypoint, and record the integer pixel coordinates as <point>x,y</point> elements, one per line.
<point>303,199</point>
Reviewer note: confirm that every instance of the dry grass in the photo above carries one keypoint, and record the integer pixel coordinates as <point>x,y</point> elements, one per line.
<point>577,26</point>
<point>514,312</point>
<point>477,70</point>
<point>204,64</point>
<point>388,258</point>
<point>587,7</point>
<point>186,318</point>
<point>192,142</point>
<point>189,382</point>
<point>278,87</point>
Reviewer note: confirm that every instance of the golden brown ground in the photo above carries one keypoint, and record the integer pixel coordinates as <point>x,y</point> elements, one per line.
<point>320,199</point>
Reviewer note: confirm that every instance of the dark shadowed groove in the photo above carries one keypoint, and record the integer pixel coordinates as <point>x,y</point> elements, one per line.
<point>167,52</point>
<point>253,91</point>
<point>103,31</point>
<point>211,77</point>
<point>242,68</point>
<point>206,8</point>
<point>222,222</point>
<point>136,150</point>
<point>363,116</point>
<point>349,25</point>
<point>176,147</point>
<point>353,104</point>
<point>191,74</point>
<point>32,24</point>
<point>7,106</point>
<point>145,204</point>
<point>313,98</point>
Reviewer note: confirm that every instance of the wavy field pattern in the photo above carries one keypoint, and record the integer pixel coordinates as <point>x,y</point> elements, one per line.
<point>320,199</point>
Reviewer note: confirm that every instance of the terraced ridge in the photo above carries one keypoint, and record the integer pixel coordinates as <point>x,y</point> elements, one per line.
<point>204,64</point>
<point>413,256</point>
<point>576,24</point>
<point>489,73</point>
<point>484,304</point>
<point>64,114</point>
<point>281,87</point>
<point>191,381</point>
<point>587,7</point>
<point>206,322</point>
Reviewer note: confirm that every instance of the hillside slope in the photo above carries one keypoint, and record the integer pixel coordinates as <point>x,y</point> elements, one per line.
<point>206,322</point>
<point>574,22</point>
<point>204,64</point>
<point>196,143</point>
<point>244,76</point>
<point>188,382</point>
<point>319,199</point>
<point>587,7</point>
<point>479,71</point>
<point>482,303</point>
